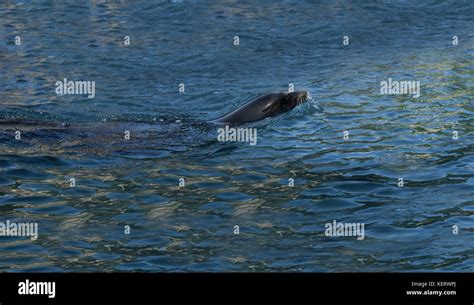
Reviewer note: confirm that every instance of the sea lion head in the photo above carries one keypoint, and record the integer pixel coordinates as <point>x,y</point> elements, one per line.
<point>288,101</point>
<point>265,106</point>
<point>297,97</point>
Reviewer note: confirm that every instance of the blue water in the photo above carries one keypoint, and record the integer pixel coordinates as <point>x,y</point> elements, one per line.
<point>191,228</point>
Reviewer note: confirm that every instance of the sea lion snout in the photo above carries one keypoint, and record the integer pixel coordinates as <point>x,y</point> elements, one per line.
<point>298,96</point>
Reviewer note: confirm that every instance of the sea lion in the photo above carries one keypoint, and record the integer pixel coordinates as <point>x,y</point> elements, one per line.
<point>265,106</point>
<point>171,135</point>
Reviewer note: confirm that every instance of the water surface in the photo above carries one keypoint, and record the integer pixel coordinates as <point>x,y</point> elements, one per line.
<point>191,228</point>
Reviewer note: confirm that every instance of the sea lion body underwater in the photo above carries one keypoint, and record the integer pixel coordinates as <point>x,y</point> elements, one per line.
<point>265,106</point>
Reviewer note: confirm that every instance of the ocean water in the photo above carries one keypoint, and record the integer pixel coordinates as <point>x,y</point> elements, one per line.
<point>135,183</point>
